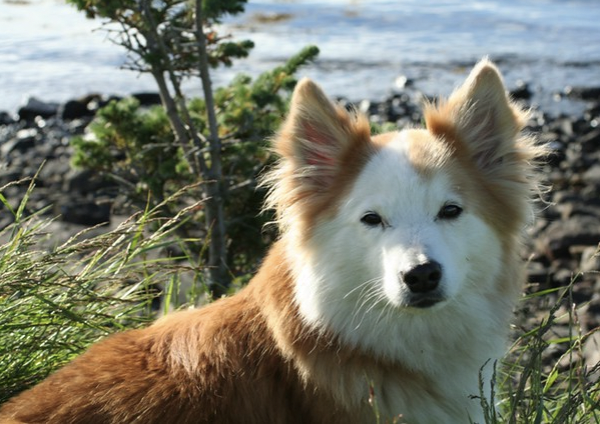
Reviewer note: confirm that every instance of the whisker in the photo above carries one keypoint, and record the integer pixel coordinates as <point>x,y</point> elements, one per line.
<point>361,286</point>
<point>369,299</point>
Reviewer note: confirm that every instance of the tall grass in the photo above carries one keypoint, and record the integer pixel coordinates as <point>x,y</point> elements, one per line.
<point>56,302</point>
<point>533,389</point>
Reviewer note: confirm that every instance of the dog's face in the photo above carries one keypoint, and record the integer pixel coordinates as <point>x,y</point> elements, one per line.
<point>387,231</point>
<point>407,238</point>
<point>415,233</point>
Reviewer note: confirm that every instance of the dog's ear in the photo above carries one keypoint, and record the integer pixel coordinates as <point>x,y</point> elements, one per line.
<point>317,134</point>
<point>322,146</point>
<point>479,117</point>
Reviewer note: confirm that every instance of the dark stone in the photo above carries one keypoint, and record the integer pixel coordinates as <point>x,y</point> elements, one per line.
<point>537,273</point>
<point>6,118</point>
<point>147,99</point>
<point>85,182</point>
<point>557,149</point>
<point>521,92</point>
<point>54,171</point>
<point>85,212</point>
<point>74,109</point>
<point>583,93</point>
<point>24,140</point>
<point>590,142</point>
<point>35,108</point>
<point>560,236</point>
<point>94,101</point>
<point>592,112</point>
<point>10,175</point>
<point>592,175</point>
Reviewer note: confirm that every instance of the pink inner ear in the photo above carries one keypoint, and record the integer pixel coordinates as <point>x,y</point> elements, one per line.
<point>319,151</point>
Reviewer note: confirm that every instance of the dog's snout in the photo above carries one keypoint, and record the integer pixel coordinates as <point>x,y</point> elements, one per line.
<point>423,278</point>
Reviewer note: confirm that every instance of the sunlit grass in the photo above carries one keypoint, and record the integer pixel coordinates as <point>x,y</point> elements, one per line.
<point>532,389</point>
<point>54,303</point>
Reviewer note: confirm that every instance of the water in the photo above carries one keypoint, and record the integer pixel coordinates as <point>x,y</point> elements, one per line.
<point>50,50</point>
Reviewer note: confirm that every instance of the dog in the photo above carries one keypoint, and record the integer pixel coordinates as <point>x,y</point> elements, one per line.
<point>386,298</point>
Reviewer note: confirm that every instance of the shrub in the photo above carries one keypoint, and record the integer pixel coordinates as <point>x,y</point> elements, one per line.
<point>136,147</point>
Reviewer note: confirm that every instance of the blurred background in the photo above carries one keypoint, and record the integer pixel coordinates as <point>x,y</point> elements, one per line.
<point>368,48</point>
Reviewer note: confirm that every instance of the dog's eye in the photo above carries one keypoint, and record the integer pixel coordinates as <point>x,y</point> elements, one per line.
<point>372,219</point>
<point>449,211</point>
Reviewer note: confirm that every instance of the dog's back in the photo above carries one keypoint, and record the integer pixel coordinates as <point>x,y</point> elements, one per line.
<point>219,364</point>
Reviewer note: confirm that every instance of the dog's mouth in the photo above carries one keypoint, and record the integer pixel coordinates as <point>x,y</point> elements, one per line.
<point>425,301</point>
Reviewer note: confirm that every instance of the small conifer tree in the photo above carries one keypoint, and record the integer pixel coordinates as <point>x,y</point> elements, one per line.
<point>174,40</point>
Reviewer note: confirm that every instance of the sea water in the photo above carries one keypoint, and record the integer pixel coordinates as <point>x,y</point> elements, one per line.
<point>368,47</point>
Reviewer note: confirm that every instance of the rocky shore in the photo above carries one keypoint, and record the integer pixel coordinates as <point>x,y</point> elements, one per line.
<point>563,243</point>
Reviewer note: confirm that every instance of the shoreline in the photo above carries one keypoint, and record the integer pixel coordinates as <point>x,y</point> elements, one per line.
<point>549,82</point>
<point>571,100</point>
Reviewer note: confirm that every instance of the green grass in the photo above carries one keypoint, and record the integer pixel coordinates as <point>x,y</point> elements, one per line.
<point>55,302</point>
<point>532,389</point>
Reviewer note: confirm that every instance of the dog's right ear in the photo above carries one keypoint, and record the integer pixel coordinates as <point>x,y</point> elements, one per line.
<point>322,146</point>
<point>317,134</point>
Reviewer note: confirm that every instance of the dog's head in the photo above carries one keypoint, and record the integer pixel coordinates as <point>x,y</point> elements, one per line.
<point>406,222</point>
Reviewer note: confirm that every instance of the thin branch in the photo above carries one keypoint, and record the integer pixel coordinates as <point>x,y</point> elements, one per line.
<point>207,85</point>
<point>198,164</point>
<point>155,44</point>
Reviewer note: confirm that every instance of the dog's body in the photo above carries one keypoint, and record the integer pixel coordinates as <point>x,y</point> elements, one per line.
<point>391,287</point>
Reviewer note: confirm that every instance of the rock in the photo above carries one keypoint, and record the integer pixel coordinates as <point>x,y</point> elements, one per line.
<point>592,175</point>
<point>561,235</point>
<point>591,354</point>
<point>9,175</point>
<point>583,93</point>
<point>35,108</point>
<point>74,109</point>
<point>85,212</point>
<point>24,140</point>
<point>6,118</point>
<point>590,142</point>
<point>54,172</point>
<point>364,106</point>
<point>147,99</point>
<point>402,81</point>
<point>521,91</point>
<point>537,273</point>
<point>590,259</point>
<point>84,181</point>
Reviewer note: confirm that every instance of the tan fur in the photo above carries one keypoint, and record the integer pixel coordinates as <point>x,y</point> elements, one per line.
<point>298,188</point>
<point>219,364</point>
<point>480,114</point>
<point>251,358</point>
<point>485,119</point>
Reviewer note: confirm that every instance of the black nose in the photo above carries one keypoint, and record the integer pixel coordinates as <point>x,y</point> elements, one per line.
<point>424,277</point>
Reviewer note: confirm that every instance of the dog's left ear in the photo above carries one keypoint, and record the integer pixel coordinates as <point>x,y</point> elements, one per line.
<point>480,117</point>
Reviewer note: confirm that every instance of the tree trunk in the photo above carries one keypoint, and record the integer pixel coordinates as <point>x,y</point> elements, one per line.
<point>219,275</point>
